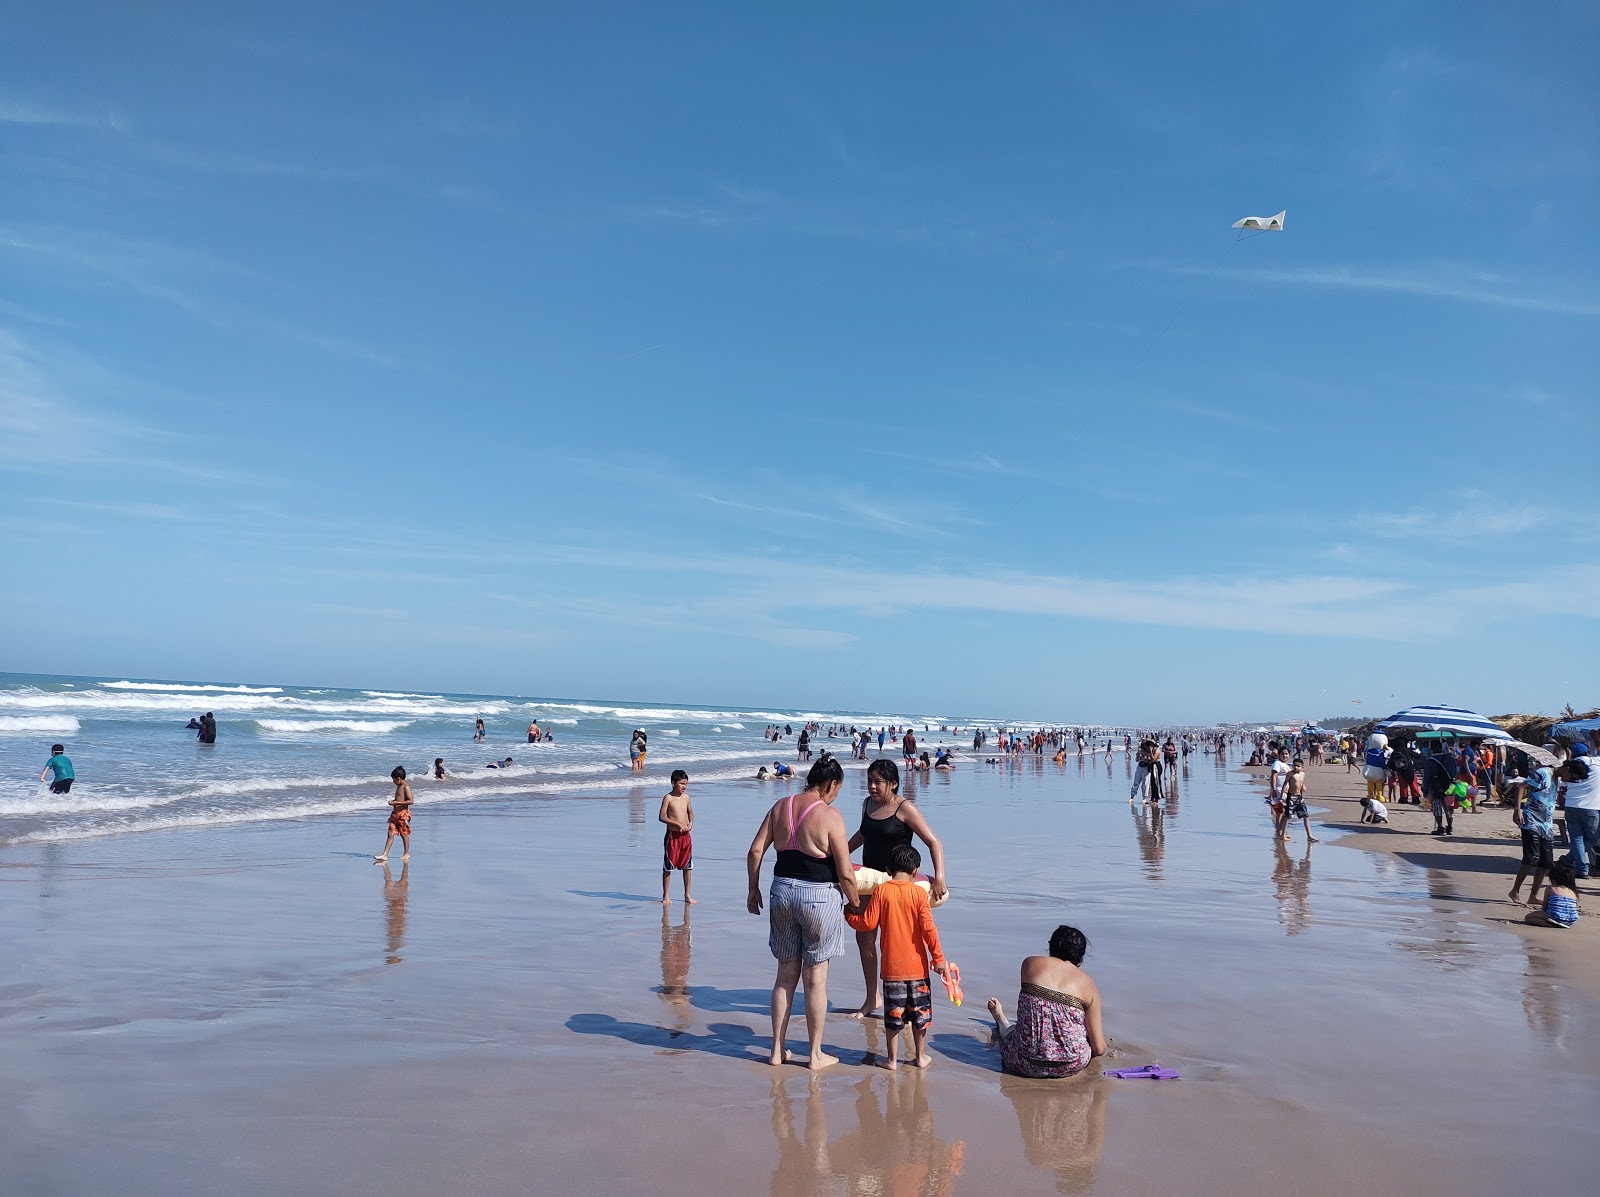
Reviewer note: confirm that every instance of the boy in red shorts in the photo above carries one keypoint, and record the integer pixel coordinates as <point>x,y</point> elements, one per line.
<point>677,846</point>
<point>901,914</point>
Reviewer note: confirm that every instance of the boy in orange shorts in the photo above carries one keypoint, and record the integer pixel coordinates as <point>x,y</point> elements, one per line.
<point>399,816</point>
<point>900,912</point>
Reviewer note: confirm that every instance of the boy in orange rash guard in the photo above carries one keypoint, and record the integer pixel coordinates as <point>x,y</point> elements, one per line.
<point>900,912</point>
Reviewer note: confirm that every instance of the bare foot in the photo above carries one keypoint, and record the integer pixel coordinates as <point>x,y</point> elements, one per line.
<point>379,859</point>
<point>867,1011</point>
<point>1311,839</point>
<point>780,1057</point>
<point>886,1063</point>
<point>923,1060</point>
<point>1515,897</point>
<point>407,856</point>
<point>688,901</point>
<point>995,1008</point>
<point>666,901</point>
<point>820,1060</point>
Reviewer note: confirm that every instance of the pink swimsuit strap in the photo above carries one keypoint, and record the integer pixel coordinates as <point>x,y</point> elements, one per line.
<point>794,824</point>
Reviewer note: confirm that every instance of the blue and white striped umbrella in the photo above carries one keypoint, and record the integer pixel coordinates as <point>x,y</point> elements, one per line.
<point>1467,724</point>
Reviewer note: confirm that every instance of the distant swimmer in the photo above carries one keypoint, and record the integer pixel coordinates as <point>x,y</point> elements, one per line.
<point>192,725</point>
<point>637,747</point>
<point>505,764</point>
<point>438,769</point>
<point>534,734</point>
<point>779,769</point>
<point>208,729</point>
<point>399,816</point>
<point>60,767</point>
<point>478,732</point>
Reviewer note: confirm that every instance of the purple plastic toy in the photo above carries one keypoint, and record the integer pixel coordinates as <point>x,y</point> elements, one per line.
<point>1150,1072</point>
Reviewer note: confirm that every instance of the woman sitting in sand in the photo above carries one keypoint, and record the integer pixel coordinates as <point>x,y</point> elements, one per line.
<point>1058,1028</point>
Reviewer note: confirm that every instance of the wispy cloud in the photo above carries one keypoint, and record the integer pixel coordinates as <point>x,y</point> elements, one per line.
<point>1463,288</point>
<point>21,112</point>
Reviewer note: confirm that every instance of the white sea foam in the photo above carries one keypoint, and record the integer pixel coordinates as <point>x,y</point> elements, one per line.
<point>63,725</point>
<point>394,694</point>
<point>380,727</point>
<point>191,687</point>
<point>80,802</point>
<point>145,701</point>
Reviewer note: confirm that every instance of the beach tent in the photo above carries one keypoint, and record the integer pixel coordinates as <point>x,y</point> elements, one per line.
<point>1462,724</point>
<point>1576,729</point>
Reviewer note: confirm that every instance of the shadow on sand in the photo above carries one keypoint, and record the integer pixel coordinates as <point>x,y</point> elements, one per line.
<point>721,1039</point>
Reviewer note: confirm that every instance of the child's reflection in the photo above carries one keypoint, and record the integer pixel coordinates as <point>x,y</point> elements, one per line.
<point>675,944</point>
<point>394,913</point>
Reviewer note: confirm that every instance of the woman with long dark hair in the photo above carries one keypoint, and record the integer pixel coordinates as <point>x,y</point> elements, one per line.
<point>887,821</point>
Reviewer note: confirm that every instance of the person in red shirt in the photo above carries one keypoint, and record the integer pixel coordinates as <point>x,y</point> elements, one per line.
<point>900,912</point>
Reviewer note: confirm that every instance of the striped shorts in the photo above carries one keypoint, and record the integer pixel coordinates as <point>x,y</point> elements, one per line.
<point>807,920</point>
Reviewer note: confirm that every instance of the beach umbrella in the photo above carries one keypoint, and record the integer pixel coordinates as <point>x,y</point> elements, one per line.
<point>1464,724</point>
<point>1532,751</point>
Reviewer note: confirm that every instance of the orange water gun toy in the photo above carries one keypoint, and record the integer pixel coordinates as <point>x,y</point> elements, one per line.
<point>952,981</point>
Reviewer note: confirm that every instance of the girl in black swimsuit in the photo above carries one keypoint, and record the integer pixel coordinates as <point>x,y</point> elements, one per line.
<point>887,821</point>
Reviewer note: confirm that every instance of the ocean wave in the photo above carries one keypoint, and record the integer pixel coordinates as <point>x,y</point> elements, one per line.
<point>149,702</point>
<point>80,802</point>
<point>192,687</point>
<point>394,694</point>
<point>380,727</point>
<point>272,785</point>
<point>64,725</point>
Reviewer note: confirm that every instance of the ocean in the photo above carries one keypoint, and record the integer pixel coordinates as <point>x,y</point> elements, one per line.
<point>289,752</point>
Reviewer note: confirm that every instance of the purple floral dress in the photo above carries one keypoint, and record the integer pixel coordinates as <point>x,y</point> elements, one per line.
<point>1049,1039</point>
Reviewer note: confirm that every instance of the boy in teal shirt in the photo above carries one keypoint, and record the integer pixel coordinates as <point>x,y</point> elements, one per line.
<point>61,767</point>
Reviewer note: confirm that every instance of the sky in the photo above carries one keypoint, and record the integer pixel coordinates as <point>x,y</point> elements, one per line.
<point>859,357</point>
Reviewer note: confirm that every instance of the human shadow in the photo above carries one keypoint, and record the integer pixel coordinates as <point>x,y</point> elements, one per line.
<point>676,944</point>
<point>976,1049</point>
<point>1462,864</point>
<point>729,1001</point>
<point>613,895</point>
<point>721,1039</point>
<point>394,912</point>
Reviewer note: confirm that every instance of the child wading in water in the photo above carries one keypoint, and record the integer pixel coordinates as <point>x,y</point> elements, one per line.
<point>677,847</point>
<point>900,912</point>
<point>399,816</point>
<point>1293,800</point>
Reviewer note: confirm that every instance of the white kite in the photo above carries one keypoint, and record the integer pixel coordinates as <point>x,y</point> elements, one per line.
<point>1266,224</point>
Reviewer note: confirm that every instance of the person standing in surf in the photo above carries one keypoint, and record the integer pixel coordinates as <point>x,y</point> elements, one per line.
<point>887,822</point>
<point>59,769</point>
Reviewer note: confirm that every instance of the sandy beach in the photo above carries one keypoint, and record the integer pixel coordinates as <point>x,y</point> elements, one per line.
<point>257,1008</point>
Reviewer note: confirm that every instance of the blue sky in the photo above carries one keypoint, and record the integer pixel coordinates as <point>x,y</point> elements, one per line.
<point>865,356</point>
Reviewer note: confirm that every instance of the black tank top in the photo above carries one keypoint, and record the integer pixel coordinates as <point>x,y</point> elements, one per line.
<point>880,837</point>
<point>798,866</point>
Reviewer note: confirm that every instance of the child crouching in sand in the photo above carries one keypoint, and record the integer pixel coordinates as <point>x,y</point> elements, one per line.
<point>399,816</point>
<point>900,912</point>
<point>1560,899</point>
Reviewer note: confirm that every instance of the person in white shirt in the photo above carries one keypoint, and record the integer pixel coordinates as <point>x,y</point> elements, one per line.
<point>1580,787</point>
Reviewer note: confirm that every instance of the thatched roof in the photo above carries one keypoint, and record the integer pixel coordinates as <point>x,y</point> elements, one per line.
<point>1535,729</point>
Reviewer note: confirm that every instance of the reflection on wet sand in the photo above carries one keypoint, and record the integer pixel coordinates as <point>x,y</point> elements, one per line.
<point>1291,885</point>
<point>636,809</point>
<point>891,1149</point>
<point>675,944</point>
<point>1150,827</point>
<point>394,913</point>
<point>1063,1125</point>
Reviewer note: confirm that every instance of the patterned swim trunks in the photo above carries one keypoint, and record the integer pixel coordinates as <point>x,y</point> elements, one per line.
<point>907,1002</point>
<point>400,820</point>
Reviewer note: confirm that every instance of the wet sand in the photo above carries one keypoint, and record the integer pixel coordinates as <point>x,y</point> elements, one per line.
<point>1471,870</point>
<point>260,1009</point>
